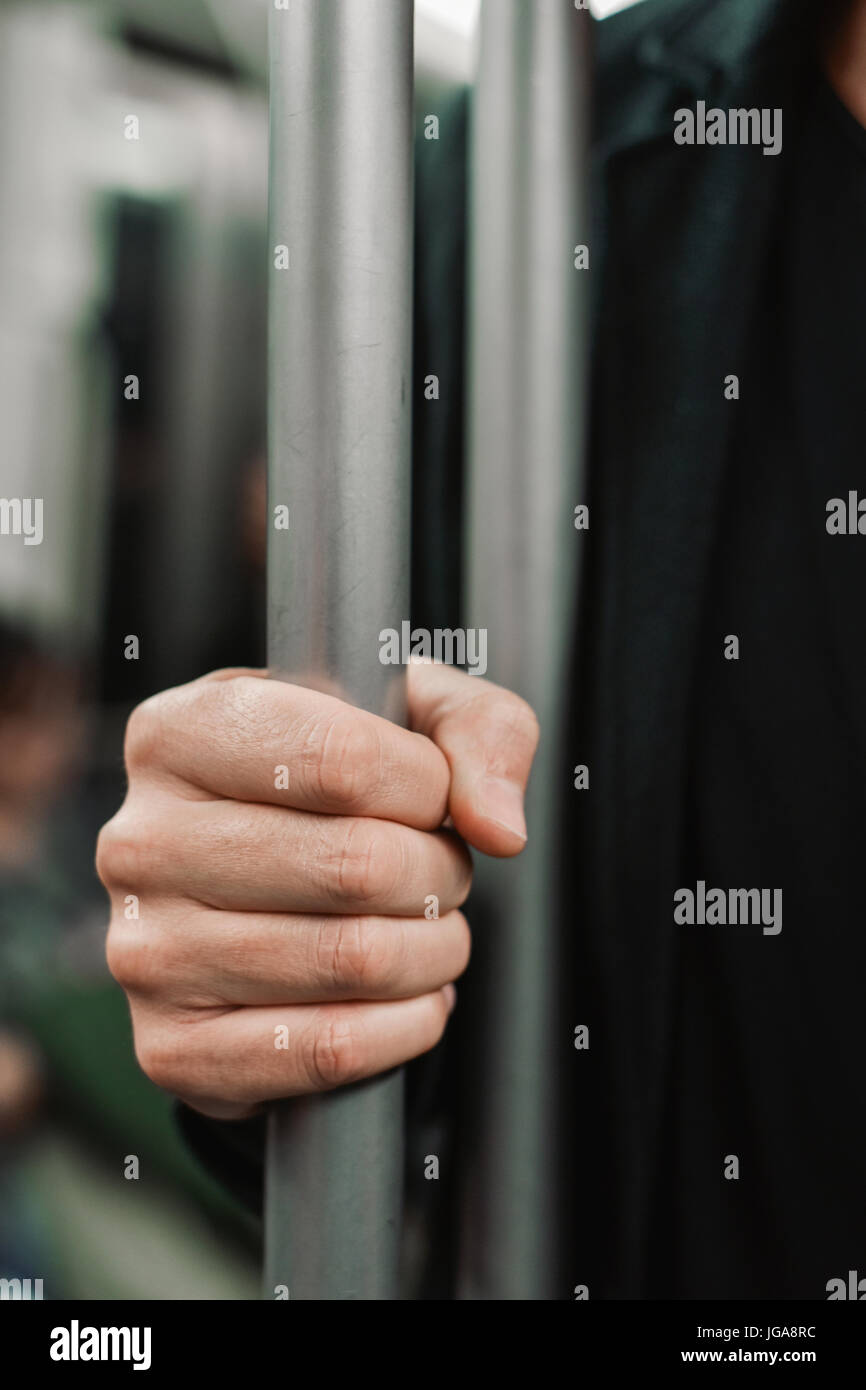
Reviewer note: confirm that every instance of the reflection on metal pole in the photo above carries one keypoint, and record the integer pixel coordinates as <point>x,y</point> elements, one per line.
<point>528,319</point>
<point>341,187</point>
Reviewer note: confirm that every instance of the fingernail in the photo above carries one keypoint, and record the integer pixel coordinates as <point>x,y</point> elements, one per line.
<point>502,803</point>
<point>450,996</point>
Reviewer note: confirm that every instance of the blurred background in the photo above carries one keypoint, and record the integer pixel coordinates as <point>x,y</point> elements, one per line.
<point>133,266</point>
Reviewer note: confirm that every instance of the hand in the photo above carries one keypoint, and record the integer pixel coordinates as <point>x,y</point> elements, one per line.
<point>281,944</point>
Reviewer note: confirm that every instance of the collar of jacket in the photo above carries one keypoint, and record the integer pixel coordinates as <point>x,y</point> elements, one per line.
<point>697,47</point>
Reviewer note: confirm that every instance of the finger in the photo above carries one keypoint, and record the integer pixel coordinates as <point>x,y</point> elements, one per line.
<point>212,959</point>
<point>241,858</point>
<point>251,739</point>
<point>489,737</point>
<point>227,1065</point>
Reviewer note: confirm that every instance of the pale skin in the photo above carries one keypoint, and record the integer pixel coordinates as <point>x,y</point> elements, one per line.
<point>262,909</point>
<point>845,60</point>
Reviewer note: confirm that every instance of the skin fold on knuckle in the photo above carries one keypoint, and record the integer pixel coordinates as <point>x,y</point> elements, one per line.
<point>332,1051</point>
<point>196,1059</point>
<point>343,758</point>
<point>145,740</point>
<point>137,961</point>
<point>353,956</point>
<point>124,857</point>
<point>369,865</point>
<point>162,1054</point>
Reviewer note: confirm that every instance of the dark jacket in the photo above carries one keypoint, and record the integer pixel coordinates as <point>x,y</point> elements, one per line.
<point>684,241</point>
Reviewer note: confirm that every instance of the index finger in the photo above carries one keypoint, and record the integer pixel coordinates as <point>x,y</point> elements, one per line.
<point>247,738</point>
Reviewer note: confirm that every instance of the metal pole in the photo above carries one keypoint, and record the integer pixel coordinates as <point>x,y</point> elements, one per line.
<point>342,194</point>
<point>527,405</point>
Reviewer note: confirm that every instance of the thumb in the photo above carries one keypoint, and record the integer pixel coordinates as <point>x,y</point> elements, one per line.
<point>489,737</point>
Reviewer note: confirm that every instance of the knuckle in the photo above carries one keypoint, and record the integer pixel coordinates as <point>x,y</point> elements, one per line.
<point>357,956</point>
<point>133,960</point>
<point>162,1058</point>
<point>123,854</point>
<point>103,854</point>
<point>366,870</point>
<point>347,748</point>
<point>333,1051</point>
<point>144,739</point>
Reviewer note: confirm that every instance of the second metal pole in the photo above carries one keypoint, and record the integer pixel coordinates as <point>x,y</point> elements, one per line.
<point>527,407</point>
<point>341,220</point>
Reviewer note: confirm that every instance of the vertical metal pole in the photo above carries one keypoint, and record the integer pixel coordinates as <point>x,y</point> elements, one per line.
<point>527,405</point>
<point>341,185</point>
